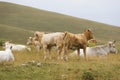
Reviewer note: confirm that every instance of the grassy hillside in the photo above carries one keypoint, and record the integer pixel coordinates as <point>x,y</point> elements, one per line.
<point>18,21</point>
<point>96,68</point>
<point>14,33</point>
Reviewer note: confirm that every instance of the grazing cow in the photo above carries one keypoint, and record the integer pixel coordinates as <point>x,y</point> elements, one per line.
<point>50,40</point>
<point>78,41</point>
<point>98,50</point>
<point>92,41</point>
<point>17,47</point>
<point>33,41</point>
<point>7,55</point>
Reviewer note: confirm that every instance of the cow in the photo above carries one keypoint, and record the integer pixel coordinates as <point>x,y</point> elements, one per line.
<point>33,41</point>
<point>77,40</point>
<point>49,40</point>
<point>99,50</point>
<point>6,55</point>
<point>17,47</point>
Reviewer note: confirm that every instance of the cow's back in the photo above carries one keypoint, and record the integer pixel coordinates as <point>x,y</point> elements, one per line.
<point>51,38</point>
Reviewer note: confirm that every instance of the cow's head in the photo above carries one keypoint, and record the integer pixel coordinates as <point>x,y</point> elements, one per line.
<point>112,47</point>
<point>30,41</point>
<point>89,34</point>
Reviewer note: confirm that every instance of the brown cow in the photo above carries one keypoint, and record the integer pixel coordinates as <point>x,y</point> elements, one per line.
<point>78,41</point>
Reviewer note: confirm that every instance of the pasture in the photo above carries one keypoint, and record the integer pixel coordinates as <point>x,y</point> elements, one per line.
<point>22,21</point>
<point>103,68</point>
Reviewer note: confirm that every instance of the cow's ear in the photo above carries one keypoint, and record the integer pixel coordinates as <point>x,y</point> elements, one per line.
<point>36,35</point>
<point>10,47</point>
<point>66,32</point>
<point>89,30</point>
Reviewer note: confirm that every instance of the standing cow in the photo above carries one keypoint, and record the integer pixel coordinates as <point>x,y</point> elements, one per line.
<point>49,40</point>
<point>77,40</point>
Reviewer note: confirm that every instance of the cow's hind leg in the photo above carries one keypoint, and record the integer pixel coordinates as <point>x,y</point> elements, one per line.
<point>65,56</point>
<point>49,52</point>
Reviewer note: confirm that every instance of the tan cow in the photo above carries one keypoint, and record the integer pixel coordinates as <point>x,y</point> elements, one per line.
<point>78,41</point>
<point>33,41</point>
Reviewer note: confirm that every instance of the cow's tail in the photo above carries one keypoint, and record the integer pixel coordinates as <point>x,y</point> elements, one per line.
<point>65,33</point>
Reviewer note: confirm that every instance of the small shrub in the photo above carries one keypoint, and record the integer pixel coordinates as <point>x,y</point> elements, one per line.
<point>1,42</point>
<point>87,76</point>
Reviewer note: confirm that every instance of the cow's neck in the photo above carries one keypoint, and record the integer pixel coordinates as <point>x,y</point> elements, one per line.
<point>87,36</point>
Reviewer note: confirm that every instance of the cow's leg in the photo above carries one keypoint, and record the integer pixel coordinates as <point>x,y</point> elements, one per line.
<point>59,53</point>
<point>45,52</point>
<point>84,50</point>
<point>78,53</point>
<point>38,48</point>
<point>65,54</point>
<point>49,52</point>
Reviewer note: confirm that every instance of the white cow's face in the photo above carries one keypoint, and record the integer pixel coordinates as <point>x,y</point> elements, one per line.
<point>30,41</point>
<point>7,45</point>
<point>112,47</point>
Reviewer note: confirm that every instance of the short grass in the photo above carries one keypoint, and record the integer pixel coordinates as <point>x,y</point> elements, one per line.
<point>103,68</point>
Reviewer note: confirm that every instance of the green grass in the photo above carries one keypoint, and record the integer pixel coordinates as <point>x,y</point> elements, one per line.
<point>18,20</point>
<point>104,68</point>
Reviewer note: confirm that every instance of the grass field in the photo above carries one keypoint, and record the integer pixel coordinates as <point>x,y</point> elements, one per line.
<point>102,68</point>
<point>18,22</point>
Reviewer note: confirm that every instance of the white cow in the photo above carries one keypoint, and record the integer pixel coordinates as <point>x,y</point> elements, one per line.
<point>98,50</point>
<point>17,47</point>
<point>50,40</point>
<point>7,55</point>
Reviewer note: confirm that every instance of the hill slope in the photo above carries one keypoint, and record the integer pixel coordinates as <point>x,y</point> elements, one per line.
<point>18,21</point>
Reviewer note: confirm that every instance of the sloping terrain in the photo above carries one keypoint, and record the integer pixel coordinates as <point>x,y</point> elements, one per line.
<point>17,22</point>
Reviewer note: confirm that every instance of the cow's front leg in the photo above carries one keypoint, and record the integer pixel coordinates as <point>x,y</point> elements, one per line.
<point>45,52</point>
<point>78,53</point>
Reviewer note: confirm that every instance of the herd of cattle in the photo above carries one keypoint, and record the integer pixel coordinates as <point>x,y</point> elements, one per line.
<point>63,41</point>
